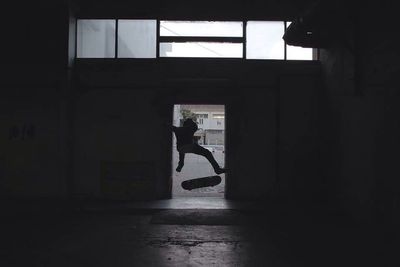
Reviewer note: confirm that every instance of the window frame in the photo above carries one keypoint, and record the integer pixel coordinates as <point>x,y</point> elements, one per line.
<point>182,39</point>
<point>205,39</point>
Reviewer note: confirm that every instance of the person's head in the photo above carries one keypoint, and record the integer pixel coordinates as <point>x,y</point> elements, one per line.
<point>191,124</point>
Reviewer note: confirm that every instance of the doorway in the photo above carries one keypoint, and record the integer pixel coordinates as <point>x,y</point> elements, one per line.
<point>211,134</point>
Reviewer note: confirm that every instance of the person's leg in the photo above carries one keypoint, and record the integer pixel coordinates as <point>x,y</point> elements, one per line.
<point>181,162</point>
<point>199,150</point>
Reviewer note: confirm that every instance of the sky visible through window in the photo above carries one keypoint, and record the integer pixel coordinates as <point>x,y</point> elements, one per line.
<point>298,53</point>
<point>196,39</point>
<point>201,28</point>
<point>201,49</point>
<point>263,40</point>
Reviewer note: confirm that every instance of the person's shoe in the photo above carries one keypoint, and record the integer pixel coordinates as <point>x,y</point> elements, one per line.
<point>220,170</point>
<point>179,168</point>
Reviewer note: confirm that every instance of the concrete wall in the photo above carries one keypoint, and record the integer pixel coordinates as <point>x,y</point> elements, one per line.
<point>251,144</point>
<point>32,113</point>
<point>299,170</point>
<point>124,122</point>
<point>88,118</point>
<point>30,145</point>
<point>117,126</point>
<point>360,124</point>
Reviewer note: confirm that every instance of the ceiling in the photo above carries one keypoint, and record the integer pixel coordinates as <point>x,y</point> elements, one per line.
<point>193,10</point>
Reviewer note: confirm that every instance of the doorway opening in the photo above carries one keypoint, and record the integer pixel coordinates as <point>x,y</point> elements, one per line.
<point>211,133</point>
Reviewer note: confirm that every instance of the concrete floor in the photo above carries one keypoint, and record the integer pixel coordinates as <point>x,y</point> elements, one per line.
<point>127,235</point>
<point>175,203</point>
<point>196,166</point>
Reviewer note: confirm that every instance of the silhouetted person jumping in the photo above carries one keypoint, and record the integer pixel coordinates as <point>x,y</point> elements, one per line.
<point>186,144</point>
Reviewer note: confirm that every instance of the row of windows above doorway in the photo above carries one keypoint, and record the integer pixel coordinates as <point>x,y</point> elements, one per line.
<point>148,38</point>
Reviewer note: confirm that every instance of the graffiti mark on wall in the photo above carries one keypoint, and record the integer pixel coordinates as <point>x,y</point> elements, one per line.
<point>22,132</point>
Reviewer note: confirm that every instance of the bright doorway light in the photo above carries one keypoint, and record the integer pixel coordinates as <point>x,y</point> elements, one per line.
<point>211,135</point>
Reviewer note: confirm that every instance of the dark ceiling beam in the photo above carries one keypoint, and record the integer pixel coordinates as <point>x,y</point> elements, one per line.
<point>191,10</point>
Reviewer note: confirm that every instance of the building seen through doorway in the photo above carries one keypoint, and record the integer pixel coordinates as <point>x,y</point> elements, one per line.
<point>211,135</point>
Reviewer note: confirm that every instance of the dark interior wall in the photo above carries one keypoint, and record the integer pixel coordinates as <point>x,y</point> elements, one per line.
<point>252,92</point>
<point>31,150</point>
<point>31,92</point>
<point>251,146</point>
<point>122,106</point>
<point>360,118</point>
<point>92,118</point>
<point>298,155</point>
<point>117,126</point>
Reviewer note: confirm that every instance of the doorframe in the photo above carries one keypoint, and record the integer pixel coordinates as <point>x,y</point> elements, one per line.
<point>208,100</point>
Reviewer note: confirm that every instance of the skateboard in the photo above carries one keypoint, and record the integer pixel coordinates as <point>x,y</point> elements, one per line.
<point>201,182</point>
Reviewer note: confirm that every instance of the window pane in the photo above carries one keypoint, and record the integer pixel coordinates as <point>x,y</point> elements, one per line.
<point>264,40</point>
<point>201,49</point>
<point>297,52</point>
<point>96,38</point>
<point>137,38</point>
<point>201,28</point>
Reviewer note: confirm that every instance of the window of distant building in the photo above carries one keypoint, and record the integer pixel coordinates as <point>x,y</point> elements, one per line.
<point>203,116</point>
<point>218,116</point>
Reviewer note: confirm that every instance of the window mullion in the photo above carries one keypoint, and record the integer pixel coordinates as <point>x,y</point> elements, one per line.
<point>244,39</point>
<point>158,39</point>
<point>185,39</point>
<point>116,38</point>
<point>285,46</point>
